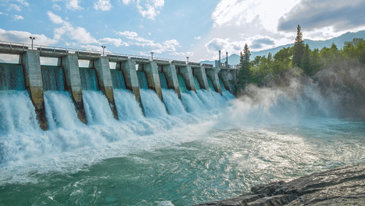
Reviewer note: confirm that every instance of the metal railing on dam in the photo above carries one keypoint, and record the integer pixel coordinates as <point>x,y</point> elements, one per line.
<point>131,72</point>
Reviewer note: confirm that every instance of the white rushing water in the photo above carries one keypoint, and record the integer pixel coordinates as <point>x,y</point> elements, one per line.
<point>17,112</point>
<point>60,110</point>
<point>172,102</point>
<point>97,108</point>
<point>128,108</point>
<point>152,105</point>
<point>68,144</point>
<point>192,102</point>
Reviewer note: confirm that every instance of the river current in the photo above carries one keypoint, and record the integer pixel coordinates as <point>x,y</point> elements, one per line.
<point>205,147</point>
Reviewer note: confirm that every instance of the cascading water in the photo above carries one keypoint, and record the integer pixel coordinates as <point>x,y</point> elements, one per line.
<point>182,84</point>
<point>173,159</point>
<point>11,77</point>
<point>196,81</point>
<point>53,78</point>
<point>210,83</point>
<point>163,80</point>
<point>127,106</point>
<point>88,78</point>
<point>172,102</point>
<point>192,102</point>
<point>96,107</point>
<point>60,110</point>
<point>211,99</point>
<point>152,105</point>
<point>16,113</point>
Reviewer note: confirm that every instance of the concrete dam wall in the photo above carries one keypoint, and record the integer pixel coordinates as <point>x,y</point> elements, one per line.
<point>137,75</point>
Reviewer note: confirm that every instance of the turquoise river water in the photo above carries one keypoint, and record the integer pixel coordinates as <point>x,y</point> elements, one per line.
<point>205,147</point>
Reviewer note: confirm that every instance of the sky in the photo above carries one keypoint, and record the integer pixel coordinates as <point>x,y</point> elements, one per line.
<point>175,29</point>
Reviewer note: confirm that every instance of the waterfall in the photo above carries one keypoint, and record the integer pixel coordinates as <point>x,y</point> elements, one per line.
<point>11,77</point>
<point>142,79</point>
<point>172,102</point>
<point>182,84</point>
<point>211,99</point>
<point>60,110</point>
<point>88,78</point>
<point>227,95</point>
<point>223,88</point>
<point>152,105</point>
<point>197,85</point>
<point>127,106</point>
<point>16,112</point>
<point>52,78</point>
<point>192,102</point>
<point>163,80</point>
<point>210,83</point>
<point>97,107</point>
<point>117,79</point>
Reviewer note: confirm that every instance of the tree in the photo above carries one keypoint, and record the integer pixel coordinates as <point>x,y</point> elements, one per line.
<point>244,69</point>
<point>305,65</point>
<point>298,49</point>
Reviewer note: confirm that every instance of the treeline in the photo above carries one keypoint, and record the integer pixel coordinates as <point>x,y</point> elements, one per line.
<point>296,60</point>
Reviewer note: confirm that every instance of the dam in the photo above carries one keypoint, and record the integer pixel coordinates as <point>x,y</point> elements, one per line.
<point>158,86</point>
<point>82,128</point>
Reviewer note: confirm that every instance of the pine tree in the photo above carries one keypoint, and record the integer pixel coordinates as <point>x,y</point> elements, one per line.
<point>244,69</point>
<point>298,50</point>
<point>306,65</point>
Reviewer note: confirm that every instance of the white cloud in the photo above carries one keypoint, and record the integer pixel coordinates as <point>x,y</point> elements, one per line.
<point>18,17</point>
<point>78,34</point>
<point>14,7</point>
<point>136,40</point>
<point>236,22</point>
<point>23,2</point>
<point>23,37</point>
<point>128,34</point>
<point>103,5</point>
<point>73,5</point>
<point>126,2</point>
<point>54,18</point>
<point>197,37</point>
<point>114,41</point>
<point>147,8</point>
<point>56,7</point>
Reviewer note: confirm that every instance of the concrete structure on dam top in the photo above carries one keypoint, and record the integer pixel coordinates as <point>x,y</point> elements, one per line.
<point>130,72</point>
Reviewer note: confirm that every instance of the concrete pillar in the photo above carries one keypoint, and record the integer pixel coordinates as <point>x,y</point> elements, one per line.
<point>70,65</point>
<point>171,77</point>
<point>213,75</point>
<point>153,79</point>
<point>187,74</point>
<point>228,77</point>
<point>33,83</point>
<point>130,75</point>
<point>200,74</point>
<point>105,81</point>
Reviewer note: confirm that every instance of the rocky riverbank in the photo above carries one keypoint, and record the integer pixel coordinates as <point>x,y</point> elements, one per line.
<point>342,186</point>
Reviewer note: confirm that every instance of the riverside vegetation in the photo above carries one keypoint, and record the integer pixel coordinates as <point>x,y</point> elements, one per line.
<point>339,73</point>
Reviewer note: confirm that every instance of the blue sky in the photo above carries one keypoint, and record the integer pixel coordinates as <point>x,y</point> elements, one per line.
<point>175,29</point>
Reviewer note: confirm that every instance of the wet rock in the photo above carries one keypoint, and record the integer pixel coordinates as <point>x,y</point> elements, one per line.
<point>342,186</point>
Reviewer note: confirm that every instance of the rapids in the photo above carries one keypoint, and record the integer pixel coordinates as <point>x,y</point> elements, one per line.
<point>173,152</point>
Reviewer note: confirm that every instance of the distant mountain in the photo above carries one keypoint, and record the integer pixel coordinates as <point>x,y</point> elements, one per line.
<point>234,59</point>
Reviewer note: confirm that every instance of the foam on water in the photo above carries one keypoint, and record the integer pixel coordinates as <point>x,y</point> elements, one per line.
<point>97,108</point>
<point>60,110</point>
<point>152,105</point>
<point>211,99</point>
<point>226,150</point>
<point>17,112</point>
<point>69,144</point>
<point>128,108</point>
<point>172,102</point>
<point>192,102</point>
